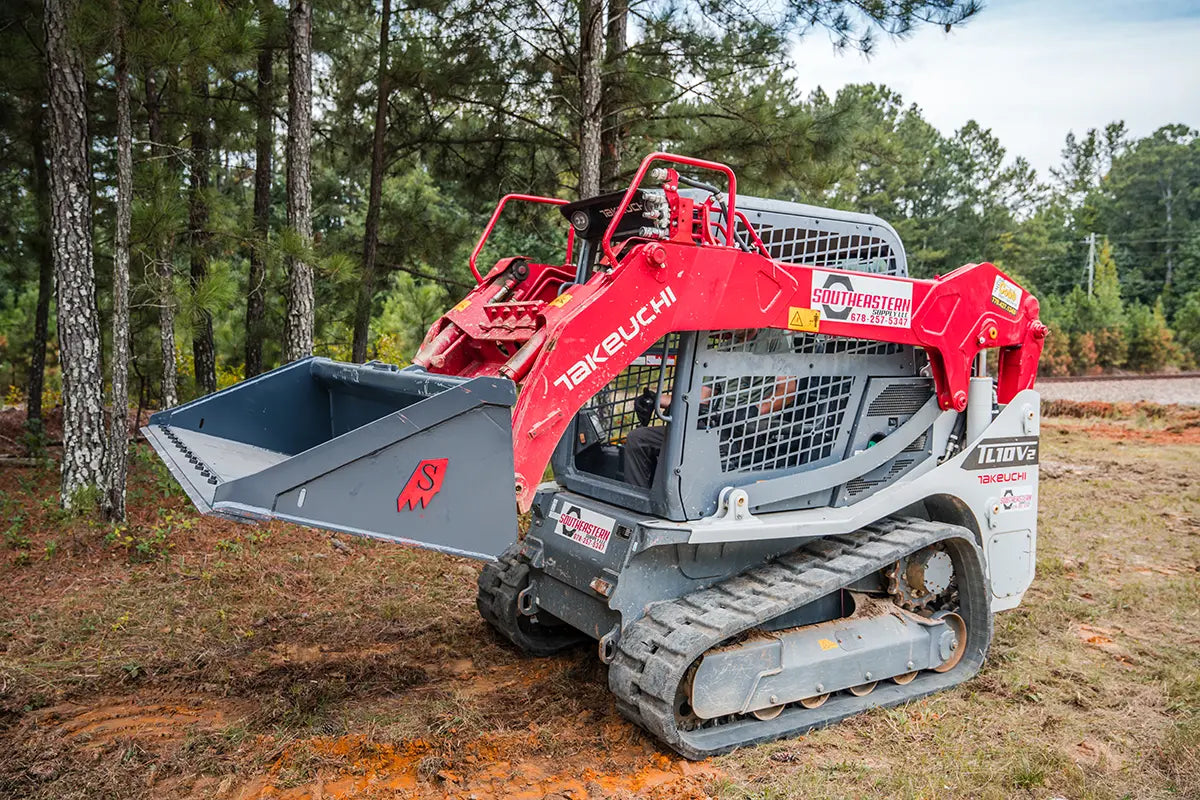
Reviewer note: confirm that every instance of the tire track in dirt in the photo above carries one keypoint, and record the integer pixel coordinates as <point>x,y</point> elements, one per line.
<point>111,720</point>
<point>591,756</point>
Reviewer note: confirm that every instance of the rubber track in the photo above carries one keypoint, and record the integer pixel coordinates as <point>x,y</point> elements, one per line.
<point>655,652</point>
<point>499,585</point>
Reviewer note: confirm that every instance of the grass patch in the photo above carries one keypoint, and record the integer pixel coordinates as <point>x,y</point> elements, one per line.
<point>266,654</point>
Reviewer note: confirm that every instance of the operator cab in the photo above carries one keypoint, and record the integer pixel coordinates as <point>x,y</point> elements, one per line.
<point>725,443</point>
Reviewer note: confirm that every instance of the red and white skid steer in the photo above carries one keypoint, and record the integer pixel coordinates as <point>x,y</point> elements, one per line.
<point>785,487</point>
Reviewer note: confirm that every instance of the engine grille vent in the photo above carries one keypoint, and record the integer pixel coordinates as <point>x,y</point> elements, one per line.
<point>860,485</point>
<point>901,400</point>
<point>918,444</point>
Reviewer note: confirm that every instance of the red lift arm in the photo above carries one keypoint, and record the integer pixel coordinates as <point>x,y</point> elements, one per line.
<point>562,347</point>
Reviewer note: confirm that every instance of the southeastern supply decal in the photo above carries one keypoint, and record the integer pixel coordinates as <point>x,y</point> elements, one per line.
<point>1006,294</point>
<point>425,482</point>
<point>862,299</point>
<point>1017,498</point>
<point>616,341</point>
<point>1012,451</point>
<point>584,526</point>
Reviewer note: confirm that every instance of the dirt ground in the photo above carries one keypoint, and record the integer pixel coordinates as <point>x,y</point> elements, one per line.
<point>183,657</point>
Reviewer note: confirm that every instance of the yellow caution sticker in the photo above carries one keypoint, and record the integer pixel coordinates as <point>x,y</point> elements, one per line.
<point>560,301</point>
<point>827,644</point>
<point>462,306</point>
<point>804,319</point>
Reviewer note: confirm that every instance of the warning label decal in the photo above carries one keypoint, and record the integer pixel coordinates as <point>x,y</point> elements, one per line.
<point>804,319</point>
<point>862,299</point>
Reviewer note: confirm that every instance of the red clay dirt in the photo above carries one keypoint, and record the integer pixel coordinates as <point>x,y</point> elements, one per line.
<point>239,663</point>
<point>490,765</point>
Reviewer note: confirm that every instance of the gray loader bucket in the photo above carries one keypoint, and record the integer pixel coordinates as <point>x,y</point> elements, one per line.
<point>372,450</point>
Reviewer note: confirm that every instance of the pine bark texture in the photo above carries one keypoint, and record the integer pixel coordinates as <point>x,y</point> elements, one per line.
<point>298,327</point>
<point>366,292</point>
<point>612,137</point>
<point>164,266</point>
<point>203,350</point>
<point>118,430</point>
<point>41,320</point>
<point>591,58</point>
<point>70,215</point>
<point>264,144</point>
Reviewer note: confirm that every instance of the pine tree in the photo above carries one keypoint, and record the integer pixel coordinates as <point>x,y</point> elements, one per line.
<point>591,113</point>
<point>203,348</point>
<point>264,144</point>
<point>118,434</point>
<point>162,255</point>
<point>362,312</point>
<point>615,88</point>
<point>71,210</point>
<point>41,326</point>
<point>1107,321</point>
<point>298,330</point>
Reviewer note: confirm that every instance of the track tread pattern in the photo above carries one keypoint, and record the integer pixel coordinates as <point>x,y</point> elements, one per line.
<point>656,651</point>
<point>499,585</point>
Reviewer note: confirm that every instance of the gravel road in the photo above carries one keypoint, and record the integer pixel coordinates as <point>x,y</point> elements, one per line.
<point>1184,391</point>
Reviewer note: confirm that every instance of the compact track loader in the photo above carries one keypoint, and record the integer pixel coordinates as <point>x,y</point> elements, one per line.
<point>785,487</point>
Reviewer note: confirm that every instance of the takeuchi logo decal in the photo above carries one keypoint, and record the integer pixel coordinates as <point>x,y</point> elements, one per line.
<point>617,340</point>
<point>425,482</point>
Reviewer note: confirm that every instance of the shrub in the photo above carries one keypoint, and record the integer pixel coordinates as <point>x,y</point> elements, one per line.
<point>1083,354</point>
<point>1187,327</point>
<point>1056,353</point>
<point>1151,344</point>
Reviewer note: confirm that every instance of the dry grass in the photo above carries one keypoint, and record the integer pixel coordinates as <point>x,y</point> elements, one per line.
<point>200,658</point>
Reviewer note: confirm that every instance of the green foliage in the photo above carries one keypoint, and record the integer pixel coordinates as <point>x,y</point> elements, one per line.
<point>149,542</point>
<point>15,537</point>
<point>1056,353</point>
<point>409,308</point>
<point>1187,326</point>
<point>1151,344</point>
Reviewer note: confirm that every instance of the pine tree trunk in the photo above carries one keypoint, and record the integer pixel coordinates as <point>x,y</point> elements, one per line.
<point>203,356</point>
<point>298,327</point>
<point>118,431</point>
<point>41,320</point>
<point>71,216</point>
<point>164,259</point>
<point>613,135</point>
<point>366,292</point>
<point>264,143</point>
<point>591,56</point>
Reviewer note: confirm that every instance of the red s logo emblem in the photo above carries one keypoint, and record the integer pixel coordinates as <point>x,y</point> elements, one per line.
<point>426,481</point>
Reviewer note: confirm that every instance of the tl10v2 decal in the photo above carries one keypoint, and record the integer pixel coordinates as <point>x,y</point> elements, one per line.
<point>1010,451</point>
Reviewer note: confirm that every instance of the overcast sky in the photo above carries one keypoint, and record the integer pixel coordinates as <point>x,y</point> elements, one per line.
<point>1031,70</point>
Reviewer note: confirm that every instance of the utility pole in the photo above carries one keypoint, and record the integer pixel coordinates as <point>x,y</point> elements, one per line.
<point>1091,243</point>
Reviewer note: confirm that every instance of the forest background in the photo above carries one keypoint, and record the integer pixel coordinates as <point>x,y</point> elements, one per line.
<point>262,181</point>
